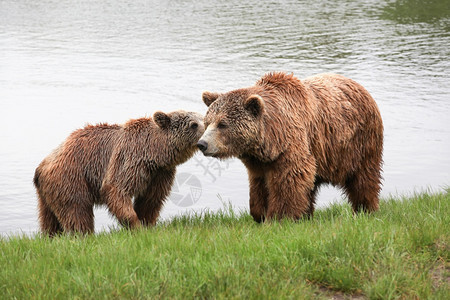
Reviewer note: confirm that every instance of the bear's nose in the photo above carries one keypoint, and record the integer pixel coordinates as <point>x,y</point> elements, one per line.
<point>202,145</point>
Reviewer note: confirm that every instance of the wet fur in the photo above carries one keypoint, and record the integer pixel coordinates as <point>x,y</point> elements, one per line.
<point>111,164</point>
<point>323,129</point>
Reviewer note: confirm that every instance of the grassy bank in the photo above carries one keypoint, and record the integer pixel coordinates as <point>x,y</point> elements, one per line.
<point>402,251</point>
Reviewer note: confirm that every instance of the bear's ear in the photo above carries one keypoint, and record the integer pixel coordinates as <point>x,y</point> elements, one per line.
<point>209,97</point>
<point>254,104</point>
<point>161,119</point>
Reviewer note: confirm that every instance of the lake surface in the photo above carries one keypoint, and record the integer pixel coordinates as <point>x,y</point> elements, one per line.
<point>67,63</point>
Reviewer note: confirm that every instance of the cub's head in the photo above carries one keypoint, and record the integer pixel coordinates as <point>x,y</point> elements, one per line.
<point>183,130</point>
<point>233,123</point>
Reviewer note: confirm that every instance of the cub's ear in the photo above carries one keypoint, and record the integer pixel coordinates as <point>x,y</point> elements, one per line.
<point>209,97</point>
<point>255,105</point>
<point>161,119</point>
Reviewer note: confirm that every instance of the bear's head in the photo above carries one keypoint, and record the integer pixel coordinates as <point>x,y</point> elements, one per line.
<point>182,130</point>
<point>234,123</point>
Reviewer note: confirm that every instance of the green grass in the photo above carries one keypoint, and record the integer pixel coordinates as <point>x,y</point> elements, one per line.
<point>402,251</point>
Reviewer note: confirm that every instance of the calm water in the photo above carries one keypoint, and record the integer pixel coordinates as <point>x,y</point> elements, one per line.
<point>67,63</point>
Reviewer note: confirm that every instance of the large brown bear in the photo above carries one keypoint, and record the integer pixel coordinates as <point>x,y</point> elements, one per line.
<point>295,135</point>
<point>111,164</point>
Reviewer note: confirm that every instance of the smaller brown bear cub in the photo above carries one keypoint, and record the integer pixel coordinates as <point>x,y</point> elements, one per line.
<point>295,135</point>
<point>111,164</point>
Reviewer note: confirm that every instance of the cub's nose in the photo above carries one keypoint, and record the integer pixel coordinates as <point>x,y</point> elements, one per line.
<point>202,145</point>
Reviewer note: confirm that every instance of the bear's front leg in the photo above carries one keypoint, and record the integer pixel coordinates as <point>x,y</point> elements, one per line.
<point>258,198</point>
<point>120,205</point>
<point>289,184</point>
<point>149,204</point>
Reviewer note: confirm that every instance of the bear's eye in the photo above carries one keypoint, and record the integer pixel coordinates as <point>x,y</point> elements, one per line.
<point>222,125</point>
<point>194,125</point>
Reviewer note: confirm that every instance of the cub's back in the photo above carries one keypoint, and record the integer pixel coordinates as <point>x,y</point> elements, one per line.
<point>84,155</point>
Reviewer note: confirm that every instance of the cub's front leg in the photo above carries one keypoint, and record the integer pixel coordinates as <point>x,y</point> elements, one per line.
<point>120,205</point>
<point>149,204</point>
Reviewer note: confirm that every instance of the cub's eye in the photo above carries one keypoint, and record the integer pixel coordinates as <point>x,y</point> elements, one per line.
<point>222,125</point>
<point>194,125</point>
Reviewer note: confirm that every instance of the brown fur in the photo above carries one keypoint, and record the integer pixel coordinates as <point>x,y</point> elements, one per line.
<point>111,164</point>
<point>295,135</point>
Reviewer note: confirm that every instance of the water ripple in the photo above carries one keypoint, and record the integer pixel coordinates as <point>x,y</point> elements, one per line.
<point>66,63</point>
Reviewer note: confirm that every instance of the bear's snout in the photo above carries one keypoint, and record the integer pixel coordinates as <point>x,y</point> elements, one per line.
<point>202,145</point>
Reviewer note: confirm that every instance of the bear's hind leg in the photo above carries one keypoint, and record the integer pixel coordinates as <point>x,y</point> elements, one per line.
<point>363,189</point>
<point>47,219</point>
<point>78,218</point>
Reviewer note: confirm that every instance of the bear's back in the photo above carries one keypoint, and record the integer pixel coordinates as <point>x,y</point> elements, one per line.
<point>91,143</point>
<point>84,155</point>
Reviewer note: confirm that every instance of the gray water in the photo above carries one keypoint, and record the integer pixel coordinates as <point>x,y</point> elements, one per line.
<point>67,63</point>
